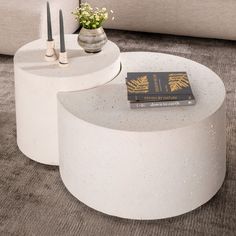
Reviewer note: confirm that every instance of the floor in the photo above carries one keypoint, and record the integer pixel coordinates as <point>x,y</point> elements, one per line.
<point>33,200</point>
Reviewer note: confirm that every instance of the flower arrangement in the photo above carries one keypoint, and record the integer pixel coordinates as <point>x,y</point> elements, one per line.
<point>91,18</point>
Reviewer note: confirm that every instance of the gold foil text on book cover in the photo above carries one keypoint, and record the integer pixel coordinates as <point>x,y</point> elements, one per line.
<point>178,82</point>
<point>139,85</point>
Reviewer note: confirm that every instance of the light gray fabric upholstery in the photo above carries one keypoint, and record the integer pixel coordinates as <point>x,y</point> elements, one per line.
<point>22,21</point>
<point>205,18</point>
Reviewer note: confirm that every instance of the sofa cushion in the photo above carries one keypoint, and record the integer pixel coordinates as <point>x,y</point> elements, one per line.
<point>23,21</point>
<point>208,18</point>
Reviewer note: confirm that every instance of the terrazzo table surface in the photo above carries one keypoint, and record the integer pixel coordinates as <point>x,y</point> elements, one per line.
<point>37,83</point>
<point>148,163</point>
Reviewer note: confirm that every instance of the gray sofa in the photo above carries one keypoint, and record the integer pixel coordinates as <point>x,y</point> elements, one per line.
<point>22,21</point>
<point>206,18</point>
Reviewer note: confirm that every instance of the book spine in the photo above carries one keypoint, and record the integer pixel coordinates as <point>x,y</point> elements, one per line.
<point>140,105</point>
<point>160,98</point>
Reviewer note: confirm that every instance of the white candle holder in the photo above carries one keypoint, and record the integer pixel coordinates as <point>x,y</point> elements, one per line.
<point>51,52</point>
<point>63,59</point>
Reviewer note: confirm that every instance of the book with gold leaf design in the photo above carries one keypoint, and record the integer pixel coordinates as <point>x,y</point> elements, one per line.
<point>159,86</point>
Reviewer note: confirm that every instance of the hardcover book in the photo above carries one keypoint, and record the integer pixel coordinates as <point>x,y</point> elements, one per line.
<point>158,86</point>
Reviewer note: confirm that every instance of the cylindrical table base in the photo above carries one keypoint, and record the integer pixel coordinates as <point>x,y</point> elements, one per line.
<point>142,175</point>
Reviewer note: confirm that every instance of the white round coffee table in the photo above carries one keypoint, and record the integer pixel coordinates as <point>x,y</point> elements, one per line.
<point>37,83</point>
<point>149,163</point>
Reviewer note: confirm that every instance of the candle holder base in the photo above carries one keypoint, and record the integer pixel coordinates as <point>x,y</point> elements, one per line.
<point>63,59</point>
<point>50,52</point>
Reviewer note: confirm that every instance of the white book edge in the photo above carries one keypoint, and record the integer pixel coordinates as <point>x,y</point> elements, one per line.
<point>138,105</point>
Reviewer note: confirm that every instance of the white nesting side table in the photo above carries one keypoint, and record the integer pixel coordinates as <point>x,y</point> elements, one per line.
<point>144,164</point>
<point>37,83</point>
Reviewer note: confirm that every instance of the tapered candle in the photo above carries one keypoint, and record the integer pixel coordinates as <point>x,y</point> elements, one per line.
<point>50,54</point>
<point>49,22</point>
<point>62,36</point>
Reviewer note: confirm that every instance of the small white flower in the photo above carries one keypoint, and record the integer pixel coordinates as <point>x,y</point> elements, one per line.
<point>85,13</point>
<point>106,15</point>
<point>91,17</point>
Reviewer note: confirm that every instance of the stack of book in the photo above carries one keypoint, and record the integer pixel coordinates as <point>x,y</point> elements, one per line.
<point>160,89</point>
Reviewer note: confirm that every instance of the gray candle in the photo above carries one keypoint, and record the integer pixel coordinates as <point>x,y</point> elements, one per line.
<point>62,36</point>
<point>49,22</point>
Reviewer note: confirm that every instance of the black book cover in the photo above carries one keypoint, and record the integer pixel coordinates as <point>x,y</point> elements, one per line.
<point>158,86</point>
